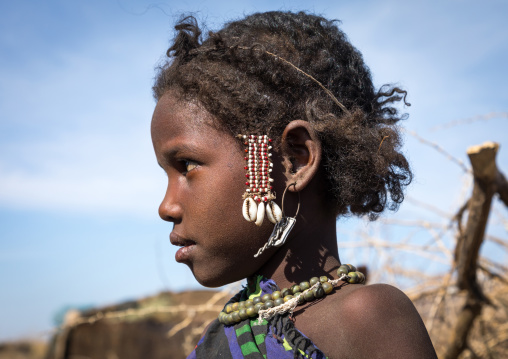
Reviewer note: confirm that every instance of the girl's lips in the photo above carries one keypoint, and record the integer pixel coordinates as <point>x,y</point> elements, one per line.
<point>183,254</point>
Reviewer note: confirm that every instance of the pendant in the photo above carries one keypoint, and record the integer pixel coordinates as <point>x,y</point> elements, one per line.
<point>279,234</point>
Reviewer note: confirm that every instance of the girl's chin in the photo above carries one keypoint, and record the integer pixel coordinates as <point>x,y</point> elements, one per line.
<point>213,280</point>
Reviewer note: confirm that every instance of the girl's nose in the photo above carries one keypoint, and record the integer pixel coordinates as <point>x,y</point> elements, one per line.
<point>170,208</point>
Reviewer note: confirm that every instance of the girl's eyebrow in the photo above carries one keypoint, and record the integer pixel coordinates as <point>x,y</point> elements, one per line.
<point>176,150</point>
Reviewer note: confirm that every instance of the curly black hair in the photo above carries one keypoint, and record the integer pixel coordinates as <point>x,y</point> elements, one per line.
<point>258,74</point>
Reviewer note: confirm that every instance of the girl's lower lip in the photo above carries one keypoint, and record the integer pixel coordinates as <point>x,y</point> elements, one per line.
<point>183,254</point>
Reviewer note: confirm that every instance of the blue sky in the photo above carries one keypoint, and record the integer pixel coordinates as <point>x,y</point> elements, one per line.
<point>79,185</point>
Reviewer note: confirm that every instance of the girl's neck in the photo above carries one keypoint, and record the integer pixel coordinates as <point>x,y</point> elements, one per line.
<point>310,251</point>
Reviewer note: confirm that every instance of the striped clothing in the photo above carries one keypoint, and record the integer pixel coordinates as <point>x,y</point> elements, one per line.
<point>273,339</point>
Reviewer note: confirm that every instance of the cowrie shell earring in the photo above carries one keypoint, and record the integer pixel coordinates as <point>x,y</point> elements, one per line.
<point>258,197</point>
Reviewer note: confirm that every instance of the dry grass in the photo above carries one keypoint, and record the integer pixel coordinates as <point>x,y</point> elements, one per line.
<point>23,350</point>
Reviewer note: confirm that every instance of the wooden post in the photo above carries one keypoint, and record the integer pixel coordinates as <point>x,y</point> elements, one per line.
<point>487,181</point>
<point>483,161</point>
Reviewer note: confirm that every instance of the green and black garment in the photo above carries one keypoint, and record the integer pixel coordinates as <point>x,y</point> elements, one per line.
<point>276,338</point>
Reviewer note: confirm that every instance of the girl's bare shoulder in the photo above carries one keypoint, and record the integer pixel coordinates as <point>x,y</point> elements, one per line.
<point>374,321</point>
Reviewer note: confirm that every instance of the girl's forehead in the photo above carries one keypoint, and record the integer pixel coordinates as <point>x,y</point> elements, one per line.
<point>173,111</point>
<point>175,118</point>
<point>173,105</point>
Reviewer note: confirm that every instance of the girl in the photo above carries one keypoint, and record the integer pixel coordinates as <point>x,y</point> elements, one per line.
<point>268,130</point>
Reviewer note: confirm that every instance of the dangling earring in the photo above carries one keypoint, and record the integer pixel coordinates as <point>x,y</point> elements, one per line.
<point>282,228</point>
<point>258,197</point>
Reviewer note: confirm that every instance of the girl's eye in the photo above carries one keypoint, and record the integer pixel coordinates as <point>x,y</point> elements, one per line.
<point>189,165</point>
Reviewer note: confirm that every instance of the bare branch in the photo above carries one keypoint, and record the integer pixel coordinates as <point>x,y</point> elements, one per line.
<point>492,274</point>
<point>498,241</point>
<point>426,206</point>
<point>440,150</point>
<point>502,187</point>
<point>458,216</point>
<point>469,120</point>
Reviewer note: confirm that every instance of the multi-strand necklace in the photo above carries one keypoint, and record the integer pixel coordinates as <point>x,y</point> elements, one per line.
<point>287,299</point>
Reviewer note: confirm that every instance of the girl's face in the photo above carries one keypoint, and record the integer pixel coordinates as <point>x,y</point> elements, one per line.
<point>206,180</point>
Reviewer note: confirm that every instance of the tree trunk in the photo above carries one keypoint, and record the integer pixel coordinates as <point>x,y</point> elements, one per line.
<point>487,181</point>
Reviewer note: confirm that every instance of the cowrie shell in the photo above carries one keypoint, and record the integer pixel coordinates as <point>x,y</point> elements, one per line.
<point>249,209</point>
<point>276,211</point>
<point>261,214</point>
<point>269,212</point>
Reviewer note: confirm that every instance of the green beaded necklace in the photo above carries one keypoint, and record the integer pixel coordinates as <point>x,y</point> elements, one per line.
<point>287,299</point>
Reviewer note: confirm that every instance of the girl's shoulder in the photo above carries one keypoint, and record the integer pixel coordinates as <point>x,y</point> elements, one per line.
<point>358,321</point>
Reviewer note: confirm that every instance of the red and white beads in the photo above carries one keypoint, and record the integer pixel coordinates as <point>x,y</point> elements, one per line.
<point>258,166</point>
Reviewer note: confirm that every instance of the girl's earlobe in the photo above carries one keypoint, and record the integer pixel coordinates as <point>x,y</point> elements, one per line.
<point>301,152</point>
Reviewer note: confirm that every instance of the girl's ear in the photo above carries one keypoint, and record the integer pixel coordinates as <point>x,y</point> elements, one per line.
<point>301,153</point>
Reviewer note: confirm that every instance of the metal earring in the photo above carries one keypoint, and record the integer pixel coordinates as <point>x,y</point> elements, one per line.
<point>282,228</point>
